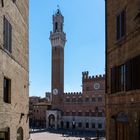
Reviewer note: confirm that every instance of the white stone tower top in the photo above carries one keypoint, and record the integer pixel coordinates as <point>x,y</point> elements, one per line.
<point>57,36</point>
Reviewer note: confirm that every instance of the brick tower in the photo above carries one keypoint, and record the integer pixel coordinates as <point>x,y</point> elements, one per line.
<point>58,40</point>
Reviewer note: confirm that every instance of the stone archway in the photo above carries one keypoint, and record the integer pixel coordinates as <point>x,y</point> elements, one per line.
<point>51,119</point>
<point>20,134</point>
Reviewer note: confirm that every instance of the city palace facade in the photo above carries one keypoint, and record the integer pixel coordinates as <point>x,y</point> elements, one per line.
<point>78,110</point>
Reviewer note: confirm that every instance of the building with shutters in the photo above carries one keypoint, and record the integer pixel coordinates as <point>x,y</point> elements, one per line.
<point>14,70</point>
<point>122,69</point>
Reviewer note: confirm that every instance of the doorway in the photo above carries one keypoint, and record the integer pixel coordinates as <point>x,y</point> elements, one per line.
<point>51,121</point>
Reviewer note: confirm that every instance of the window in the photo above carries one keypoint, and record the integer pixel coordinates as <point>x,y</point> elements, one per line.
<point>93,99</point>
<point>62,124</point>
<point>7,38</point>
<point>93,114</point>
<point>67,100</point>
<point>87,125</point>
<point>93,125</point>
<point>20,134</point>
<point>73,113</point>
<point>87,88</point>
<point>7,90</point>
<point>118,78</point>
<point>67,113</point>
<point>67,124</point>
<point>56,26</point>
<point>2,136</point>
<point>2,3</point>
<point>14,1</point>
<point>79,113</point>
<point>74,100</point>
<point>5,135</point>
<point>87,113</point>
<point>80,100</point>
<point>79,124</point>
<point>55,48</point>
<point>99,125</point>
<point>122,77</point>
<point>126,76</point>
<point>100,114</point>
<point>86,99</point>
<point>62,113</point>
<point>99,99</point>
<point>120,24</point>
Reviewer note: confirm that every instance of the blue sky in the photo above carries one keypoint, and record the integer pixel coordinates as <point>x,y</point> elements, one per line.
<point>84,25</point>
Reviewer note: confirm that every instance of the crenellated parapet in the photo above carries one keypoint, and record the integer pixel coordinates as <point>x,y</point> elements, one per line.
<point>86,77</point>
<point>73,93</point>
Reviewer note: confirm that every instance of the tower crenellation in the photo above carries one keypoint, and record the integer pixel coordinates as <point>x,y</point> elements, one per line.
<point>72,93</point>
<point>85,76</point>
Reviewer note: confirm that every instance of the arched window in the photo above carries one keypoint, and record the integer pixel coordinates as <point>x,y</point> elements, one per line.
<point>56,26</point>
<point>87,125</point>
<point>20,134</point>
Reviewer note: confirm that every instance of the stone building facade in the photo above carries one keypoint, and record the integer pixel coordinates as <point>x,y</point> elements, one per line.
<point>14,70</point>
<point>84,110</point>
<point>37,111</point>
<point>122,69</point>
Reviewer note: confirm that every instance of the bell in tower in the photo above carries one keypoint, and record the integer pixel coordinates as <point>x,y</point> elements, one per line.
<point>58,20</point>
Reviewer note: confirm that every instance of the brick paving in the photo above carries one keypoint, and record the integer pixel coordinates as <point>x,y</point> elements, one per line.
<point>53,136</point>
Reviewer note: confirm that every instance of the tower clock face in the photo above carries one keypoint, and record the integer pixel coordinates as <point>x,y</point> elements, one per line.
<point>55,91</point>
<point>96,86</point>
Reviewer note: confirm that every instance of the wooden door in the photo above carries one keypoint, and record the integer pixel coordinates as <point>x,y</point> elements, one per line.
<point>122,131</point>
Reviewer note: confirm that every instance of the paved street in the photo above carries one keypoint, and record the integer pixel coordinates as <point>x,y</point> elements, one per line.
<point>53,136</point>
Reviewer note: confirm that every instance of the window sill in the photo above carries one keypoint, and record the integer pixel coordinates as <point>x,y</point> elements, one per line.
<point>121,40</point>
<point>9,103</point>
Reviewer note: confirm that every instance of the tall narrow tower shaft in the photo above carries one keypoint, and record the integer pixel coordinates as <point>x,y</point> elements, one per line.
<point>58,39</point>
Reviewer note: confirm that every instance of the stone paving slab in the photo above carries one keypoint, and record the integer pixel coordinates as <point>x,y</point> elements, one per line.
<point>53,136</point>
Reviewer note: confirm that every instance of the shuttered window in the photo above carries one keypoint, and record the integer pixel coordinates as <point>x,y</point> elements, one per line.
<point>7,35</point>
<point>120,24</point>
<point>7,90</point>
<point>122,77</point>
<point>127,76</point>
<point>128,85</point>
<point>5,135</point>
<point>136,73</point>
